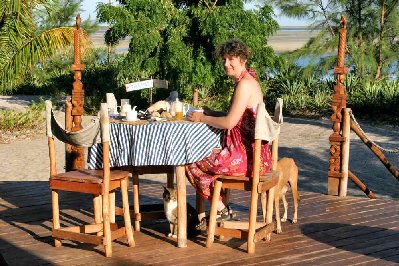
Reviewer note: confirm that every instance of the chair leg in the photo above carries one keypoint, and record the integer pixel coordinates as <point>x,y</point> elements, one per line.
<point>126,213</point>
<point>252,221</point>
<point>212,216</point>
<point>106,227</point>
<point>136,202</point>
<point>97,211</point>
<point>170,178</point>
<point>112,206</point>
<point>56,215</point>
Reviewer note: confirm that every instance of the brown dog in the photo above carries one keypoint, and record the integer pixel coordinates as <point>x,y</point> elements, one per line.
<point>289,172</point>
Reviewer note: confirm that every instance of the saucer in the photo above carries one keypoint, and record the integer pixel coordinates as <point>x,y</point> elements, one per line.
<point>126,120</point>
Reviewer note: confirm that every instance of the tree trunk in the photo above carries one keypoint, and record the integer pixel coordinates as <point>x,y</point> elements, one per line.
<point>380,59</point>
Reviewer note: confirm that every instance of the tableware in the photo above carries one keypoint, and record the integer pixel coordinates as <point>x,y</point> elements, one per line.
<point>112,104</point>
<point>131,115</point>
<point>194,109</point>
<point>112,113</point>
<point>125,101</point>
<point>125,108</point>
<point>180,109</point>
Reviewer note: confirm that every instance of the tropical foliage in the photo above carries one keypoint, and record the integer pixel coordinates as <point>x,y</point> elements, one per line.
<point>373,34</point>
<point>32,118</point>
<point>23,44</point>
<point>176,41</point>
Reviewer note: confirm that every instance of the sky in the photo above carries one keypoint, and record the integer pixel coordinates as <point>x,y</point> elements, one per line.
<point>89,7</point>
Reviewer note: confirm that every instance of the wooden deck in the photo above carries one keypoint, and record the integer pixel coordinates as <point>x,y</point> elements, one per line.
<point>331,230</point>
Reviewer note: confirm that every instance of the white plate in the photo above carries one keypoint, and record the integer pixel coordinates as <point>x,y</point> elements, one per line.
<point>125,120</point>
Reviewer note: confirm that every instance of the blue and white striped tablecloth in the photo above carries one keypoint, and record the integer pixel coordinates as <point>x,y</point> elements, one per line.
<point>159,143</point>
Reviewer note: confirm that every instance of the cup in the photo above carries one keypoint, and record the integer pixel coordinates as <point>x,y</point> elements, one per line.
<point>179,115</point>
<point>111,112</point>
<point>172,109</point>
<point>180,110</point>
<point>125,101</point>
<point>198,110</point>
<point>125,108</point>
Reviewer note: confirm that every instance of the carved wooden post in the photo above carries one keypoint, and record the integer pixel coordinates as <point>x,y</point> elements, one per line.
<point>338,103</point>
<point>195,97</point>
<point>68,126</point>
<point>77,98</point>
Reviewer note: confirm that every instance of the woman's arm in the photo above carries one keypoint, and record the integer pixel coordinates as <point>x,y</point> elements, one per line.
<point>210,112</point>
<point>241,99</point>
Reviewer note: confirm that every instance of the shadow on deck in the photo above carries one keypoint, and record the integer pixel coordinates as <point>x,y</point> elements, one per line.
<point>331,230</point>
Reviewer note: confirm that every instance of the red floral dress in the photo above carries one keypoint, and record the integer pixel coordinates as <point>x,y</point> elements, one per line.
<point>235,158</point>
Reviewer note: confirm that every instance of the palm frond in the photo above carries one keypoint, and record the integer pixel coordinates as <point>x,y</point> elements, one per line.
<point>34,51</point>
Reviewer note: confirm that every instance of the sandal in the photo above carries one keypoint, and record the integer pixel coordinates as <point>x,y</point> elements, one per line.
<point>202,225</point>
<point>225,214</point>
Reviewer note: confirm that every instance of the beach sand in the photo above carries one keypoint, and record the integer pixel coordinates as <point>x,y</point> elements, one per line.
<point>305,140</point>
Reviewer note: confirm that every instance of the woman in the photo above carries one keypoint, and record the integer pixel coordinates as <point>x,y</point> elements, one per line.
<point>235,158</point>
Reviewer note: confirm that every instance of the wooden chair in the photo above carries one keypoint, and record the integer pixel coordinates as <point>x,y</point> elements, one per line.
<point>99,183</point>
<point>250,230</point>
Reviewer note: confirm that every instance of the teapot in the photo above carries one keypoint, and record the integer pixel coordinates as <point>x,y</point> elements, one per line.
<point>125,108</point>
<point>131,115</point>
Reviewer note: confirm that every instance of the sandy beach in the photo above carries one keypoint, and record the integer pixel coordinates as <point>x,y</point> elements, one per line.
<point>305,140</point>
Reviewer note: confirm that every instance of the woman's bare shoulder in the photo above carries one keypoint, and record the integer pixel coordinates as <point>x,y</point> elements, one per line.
<point>248,82</point>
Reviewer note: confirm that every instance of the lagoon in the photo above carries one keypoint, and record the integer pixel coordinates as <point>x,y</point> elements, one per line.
<point>287,38</point>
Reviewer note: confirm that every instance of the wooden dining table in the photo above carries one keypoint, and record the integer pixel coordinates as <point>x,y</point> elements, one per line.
<point>155,143</point>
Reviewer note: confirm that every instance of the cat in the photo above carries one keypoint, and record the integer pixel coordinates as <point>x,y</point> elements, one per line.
<point>170,207</point>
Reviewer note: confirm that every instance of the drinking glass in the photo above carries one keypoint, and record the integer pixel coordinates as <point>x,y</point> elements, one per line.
<point>125,101</point>
<point>111,112</point>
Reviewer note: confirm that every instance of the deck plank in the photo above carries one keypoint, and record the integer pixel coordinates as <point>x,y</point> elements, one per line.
<point>330,231</point>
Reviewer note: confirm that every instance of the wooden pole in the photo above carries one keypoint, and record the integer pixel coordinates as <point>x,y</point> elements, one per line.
<point>68,126</point>
<point>77,98</point>
<point>346,130</point>
<point>195,97</point>
<point>338,103</point>
<point>376,151</point>
<point>362,186</point>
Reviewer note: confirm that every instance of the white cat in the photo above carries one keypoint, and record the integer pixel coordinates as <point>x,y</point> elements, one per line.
<point>170,207</point>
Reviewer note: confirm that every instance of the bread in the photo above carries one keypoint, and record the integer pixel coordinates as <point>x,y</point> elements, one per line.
<point>166,115</point>
<point>155,114</point>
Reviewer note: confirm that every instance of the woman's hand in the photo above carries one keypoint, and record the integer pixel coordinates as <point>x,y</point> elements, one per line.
<point>196,116</point>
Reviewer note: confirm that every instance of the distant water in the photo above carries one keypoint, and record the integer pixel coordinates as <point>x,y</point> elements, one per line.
<point>287,38</point>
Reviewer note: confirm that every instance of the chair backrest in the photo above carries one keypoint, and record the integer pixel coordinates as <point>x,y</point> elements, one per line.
<point>85,137</point>
<point>267,128</point>
<point>97,131</point>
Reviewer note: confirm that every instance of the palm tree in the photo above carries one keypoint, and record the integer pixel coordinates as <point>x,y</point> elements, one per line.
<point>22,46</point>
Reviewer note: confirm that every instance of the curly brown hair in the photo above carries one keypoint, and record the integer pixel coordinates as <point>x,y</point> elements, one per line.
<point>234,47</point>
